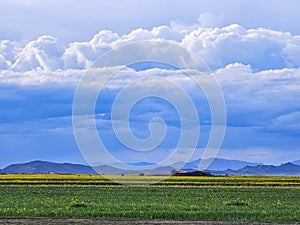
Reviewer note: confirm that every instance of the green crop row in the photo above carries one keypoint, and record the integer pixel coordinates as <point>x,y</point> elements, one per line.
<point>149,202</point>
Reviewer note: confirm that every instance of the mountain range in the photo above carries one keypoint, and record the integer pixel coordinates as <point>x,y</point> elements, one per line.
<point>286,169</point>
<point>218,166</point>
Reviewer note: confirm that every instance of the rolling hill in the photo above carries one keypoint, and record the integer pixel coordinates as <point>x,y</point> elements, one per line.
<point>44,167</point>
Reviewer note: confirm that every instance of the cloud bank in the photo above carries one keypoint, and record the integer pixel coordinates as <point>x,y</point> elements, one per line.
<point>257,69</point>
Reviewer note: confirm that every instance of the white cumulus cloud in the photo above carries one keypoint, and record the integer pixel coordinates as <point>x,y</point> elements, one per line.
<point>43,53</point>
<point>262,49</point>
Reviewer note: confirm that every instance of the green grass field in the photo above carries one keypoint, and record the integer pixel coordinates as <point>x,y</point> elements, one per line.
<point>180,198</point>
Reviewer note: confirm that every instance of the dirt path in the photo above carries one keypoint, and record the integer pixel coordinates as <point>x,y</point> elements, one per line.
<point>57,221</point>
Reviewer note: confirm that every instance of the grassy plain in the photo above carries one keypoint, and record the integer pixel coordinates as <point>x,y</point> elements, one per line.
<point>176,198</point>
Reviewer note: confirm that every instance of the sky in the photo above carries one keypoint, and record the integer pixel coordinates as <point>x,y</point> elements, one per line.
<point>251,47</point>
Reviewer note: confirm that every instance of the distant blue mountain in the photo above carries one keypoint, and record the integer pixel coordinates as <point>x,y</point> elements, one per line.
<point>220,164</point>
<point>44,167</point>
<point>287,169</point>
<point>141,164</point>
<point>297,162</point>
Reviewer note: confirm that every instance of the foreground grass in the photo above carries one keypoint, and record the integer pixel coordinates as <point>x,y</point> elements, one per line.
<point>193,199</point>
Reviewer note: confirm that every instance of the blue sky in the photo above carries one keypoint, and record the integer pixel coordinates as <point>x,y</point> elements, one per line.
<point>251,47</point>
